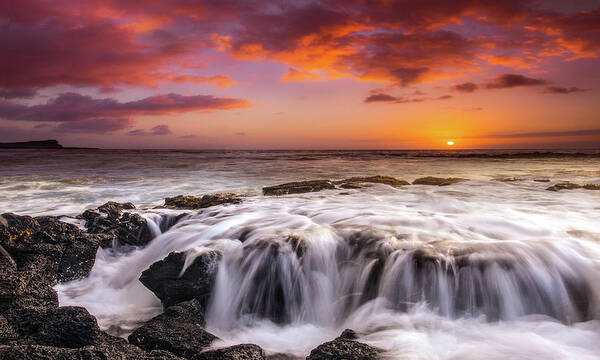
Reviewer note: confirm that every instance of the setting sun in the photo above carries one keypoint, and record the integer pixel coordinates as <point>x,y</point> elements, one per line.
<point>450,143</point>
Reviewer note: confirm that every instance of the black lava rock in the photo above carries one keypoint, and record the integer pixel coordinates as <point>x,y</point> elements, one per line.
<point>68,327</point>
<point>345,347</point>
<point>201,202</point>
<point>298,187</point>
<point>177,330</point>
<point>115,226</point>
<point>164,280</point>
<point>236,352</point>
<point>56,250</point>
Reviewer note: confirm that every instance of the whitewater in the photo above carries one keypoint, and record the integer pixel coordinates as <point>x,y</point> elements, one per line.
<point>495,267</point>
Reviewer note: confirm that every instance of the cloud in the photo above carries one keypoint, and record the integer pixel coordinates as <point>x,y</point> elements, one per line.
<point>240,133</point>
<point>563,90</point>
<point>380,98</point>
<point>507,81</point>
<point>157,130</point>
<point>76,107</point>
<point>407,76</point>
<point>386,98</point>
<point>17,93</point>
<point>94,126</point>
<point>190,136</point>
<point>466,87</point>
<point>95,44</point>
<point>561,133</point>
<point>294,75</point>
<point>115,43</point>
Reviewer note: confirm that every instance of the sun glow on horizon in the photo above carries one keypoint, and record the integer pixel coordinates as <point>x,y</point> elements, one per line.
<point>450,143</point>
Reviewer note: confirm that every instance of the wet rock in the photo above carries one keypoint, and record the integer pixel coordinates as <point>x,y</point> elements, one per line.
<point>284,356</point>
<point>115,226</point>
<point>11,283</point>
<point>344,347</point>
<point>200,202</point>
<point>69,327</point>
<point>236,352</point>
<point>432,180</point>
<point>26,288</point>
<point>7,332</point>
<point>25,319</point>
<point>298,187</point>
<point>360,182</point>
<point>100,352</point>
<point>564,186</point>
<point>114,209</point>
<point>165,280</point>
<point>177,330</point>
<point>39,352</point>
<point>509,179</point>
<point>571,186</point>
<point>60,251</point>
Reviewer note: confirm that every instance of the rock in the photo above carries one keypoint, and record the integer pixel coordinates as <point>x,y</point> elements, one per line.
<point>509,179</point>
<point>236,352</point>
<point>359,182</point>
<point>114,209</point>
<point>284,356</point>
<point>201,202</point>
<point>564,186</point>
<point>178,330</point>
<point>41,144</point>
<point>190,311</point>
<point>298,187</point>
<point>431,180</point>
<point>68,327</point>
<point>11,284</point>
<point>26,288</point>
<point>39,352</point>
<point>61,251</point>
<point>164,280</point>
<point>25,319</point>
<point>100,352</point>
<point>344,347</point>
<point>114,225</point>
<point>571,186</point>
<point>7,332</point>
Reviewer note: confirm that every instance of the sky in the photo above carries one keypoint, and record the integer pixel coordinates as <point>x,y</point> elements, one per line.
<point>332,74</point>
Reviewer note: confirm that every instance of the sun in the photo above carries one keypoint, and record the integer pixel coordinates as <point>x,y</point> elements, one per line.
<point>450,143</point>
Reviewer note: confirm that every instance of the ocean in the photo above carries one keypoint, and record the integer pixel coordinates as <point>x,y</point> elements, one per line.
<point>495,267</point>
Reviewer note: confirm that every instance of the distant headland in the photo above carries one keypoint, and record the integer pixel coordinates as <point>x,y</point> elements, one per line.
<point>42,144</point>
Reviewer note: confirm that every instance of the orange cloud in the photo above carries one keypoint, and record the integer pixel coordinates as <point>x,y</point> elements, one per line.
<point>294,75</point>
